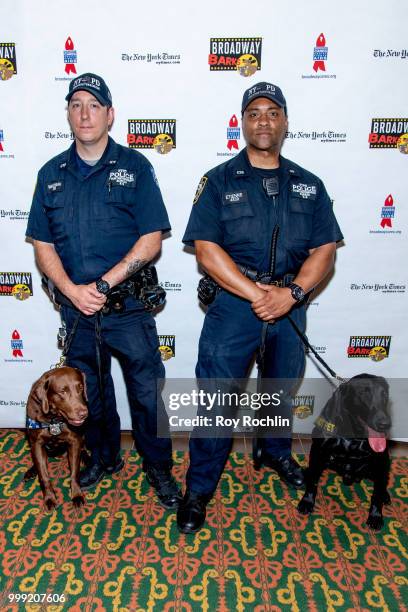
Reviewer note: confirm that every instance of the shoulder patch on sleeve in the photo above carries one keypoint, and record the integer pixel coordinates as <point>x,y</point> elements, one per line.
<point>200,188</point>
<point>154,176</point>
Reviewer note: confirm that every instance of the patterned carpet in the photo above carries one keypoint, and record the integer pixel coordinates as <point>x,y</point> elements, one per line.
<point>122,551</point>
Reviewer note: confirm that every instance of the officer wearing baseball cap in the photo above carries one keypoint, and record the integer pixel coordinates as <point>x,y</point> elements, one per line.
<point>264,231</point>
<point>96,222</point>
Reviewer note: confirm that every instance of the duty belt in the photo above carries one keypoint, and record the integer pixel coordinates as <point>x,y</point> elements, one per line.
<point>265,277</point>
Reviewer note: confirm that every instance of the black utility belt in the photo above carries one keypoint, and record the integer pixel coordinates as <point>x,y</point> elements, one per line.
<point>143,286</point>
<point>208,288</point>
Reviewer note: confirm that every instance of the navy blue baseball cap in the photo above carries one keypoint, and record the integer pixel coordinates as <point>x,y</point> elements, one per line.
<point>264,90</point>
<point>92,83</point>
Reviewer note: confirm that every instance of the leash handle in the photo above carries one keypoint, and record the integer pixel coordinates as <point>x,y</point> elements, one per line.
<point>306,342</point>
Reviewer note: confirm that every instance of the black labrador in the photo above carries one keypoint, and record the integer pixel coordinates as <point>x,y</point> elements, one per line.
<point>349,437</point>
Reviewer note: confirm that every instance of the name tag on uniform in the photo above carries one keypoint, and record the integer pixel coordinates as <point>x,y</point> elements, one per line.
<point>305,191</point>
<point>235,197</point>
<point>122,178</point>
<point>55,186</point>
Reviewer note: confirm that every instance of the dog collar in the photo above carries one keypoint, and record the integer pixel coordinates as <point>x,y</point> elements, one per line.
<point>55,428</point>
<point>325,425</point>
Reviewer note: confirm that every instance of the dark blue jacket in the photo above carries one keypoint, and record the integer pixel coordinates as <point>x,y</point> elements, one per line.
<point>94,220</point>
<point>232,210</point>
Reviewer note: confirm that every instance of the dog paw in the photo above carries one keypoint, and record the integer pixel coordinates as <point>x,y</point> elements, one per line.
<point>78,501</point>
<point>305,506</point>
<point>30,474</point>
<point>375,522</point>
<point>50,504</point>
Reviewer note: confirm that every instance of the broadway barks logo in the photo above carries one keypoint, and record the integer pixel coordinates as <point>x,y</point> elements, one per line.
<point>16,284</point>
<point>8,60</point>
<point>389,134</point>
<point>70,56</point>
<point>167,347</point>
<point>376,348</point>
<point>241,54</point>
<point>303,406</point>
<point>158,134</point>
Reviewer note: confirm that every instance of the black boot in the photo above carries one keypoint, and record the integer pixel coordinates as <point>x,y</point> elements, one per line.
<point>167,490</point>
<point>288,469</point>
<point>91,475</point>
<point>192,511</point>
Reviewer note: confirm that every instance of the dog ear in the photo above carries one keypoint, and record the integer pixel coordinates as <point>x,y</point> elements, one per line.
<point>40,393</point>
<point>84,383</point>
<point>333,408</point>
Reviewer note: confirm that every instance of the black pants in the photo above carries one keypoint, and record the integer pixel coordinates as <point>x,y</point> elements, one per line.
<point>130,336</point>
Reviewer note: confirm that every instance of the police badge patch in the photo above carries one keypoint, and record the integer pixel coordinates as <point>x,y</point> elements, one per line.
<point>200,189</point>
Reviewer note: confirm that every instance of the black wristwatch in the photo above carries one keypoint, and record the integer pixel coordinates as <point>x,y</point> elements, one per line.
<point>297,292</point>
<point>102,286</point>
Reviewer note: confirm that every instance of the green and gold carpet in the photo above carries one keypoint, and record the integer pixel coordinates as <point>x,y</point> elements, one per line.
<point>122,551</point>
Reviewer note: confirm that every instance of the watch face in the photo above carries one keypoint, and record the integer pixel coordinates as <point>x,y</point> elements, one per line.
<point>102,286</point>
<point>297,292</point>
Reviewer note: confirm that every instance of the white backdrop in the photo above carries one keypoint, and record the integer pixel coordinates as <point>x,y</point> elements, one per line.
<point>330,119</point>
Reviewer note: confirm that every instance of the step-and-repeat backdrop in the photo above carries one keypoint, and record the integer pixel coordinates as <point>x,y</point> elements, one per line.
<point>177,72</point>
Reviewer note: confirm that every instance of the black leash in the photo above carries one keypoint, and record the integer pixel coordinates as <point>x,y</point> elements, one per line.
<point>306,342</point>
<point>272,262</point>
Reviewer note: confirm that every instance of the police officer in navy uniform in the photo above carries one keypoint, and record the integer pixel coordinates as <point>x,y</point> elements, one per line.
<point>96,220</point>
<point>238,207</point>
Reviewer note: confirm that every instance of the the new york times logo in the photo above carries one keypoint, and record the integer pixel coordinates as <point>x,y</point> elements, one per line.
<point>241,54</point>
<point>158,134</point>
<point>387,133</point>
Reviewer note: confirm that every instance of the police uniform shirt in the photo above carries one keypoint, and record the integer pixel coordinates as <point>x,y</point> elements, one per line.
<point>94,220</point>
<point>232,209</point>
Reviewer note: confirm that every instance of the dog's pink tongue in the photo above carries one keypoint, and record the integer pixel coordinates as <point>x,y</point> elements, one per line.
<point>376,440</point>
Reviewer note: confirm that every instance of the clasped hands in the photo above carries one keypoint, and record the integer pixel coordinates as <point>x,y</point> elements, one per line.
<point>273,303</point>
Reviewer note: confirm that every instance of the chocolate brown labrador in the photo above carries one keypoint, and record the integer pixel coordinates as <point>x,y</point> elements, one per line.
<point>56,409</point>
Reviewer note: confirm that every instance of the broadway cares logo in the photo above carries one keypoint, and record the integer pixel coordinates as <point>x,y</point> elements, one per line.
<point>70,56</point>
<point>387,218</point>
<point>4,155</point>
<point>320,54</point>
<point>233,136</point>
<point>17,349</point>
